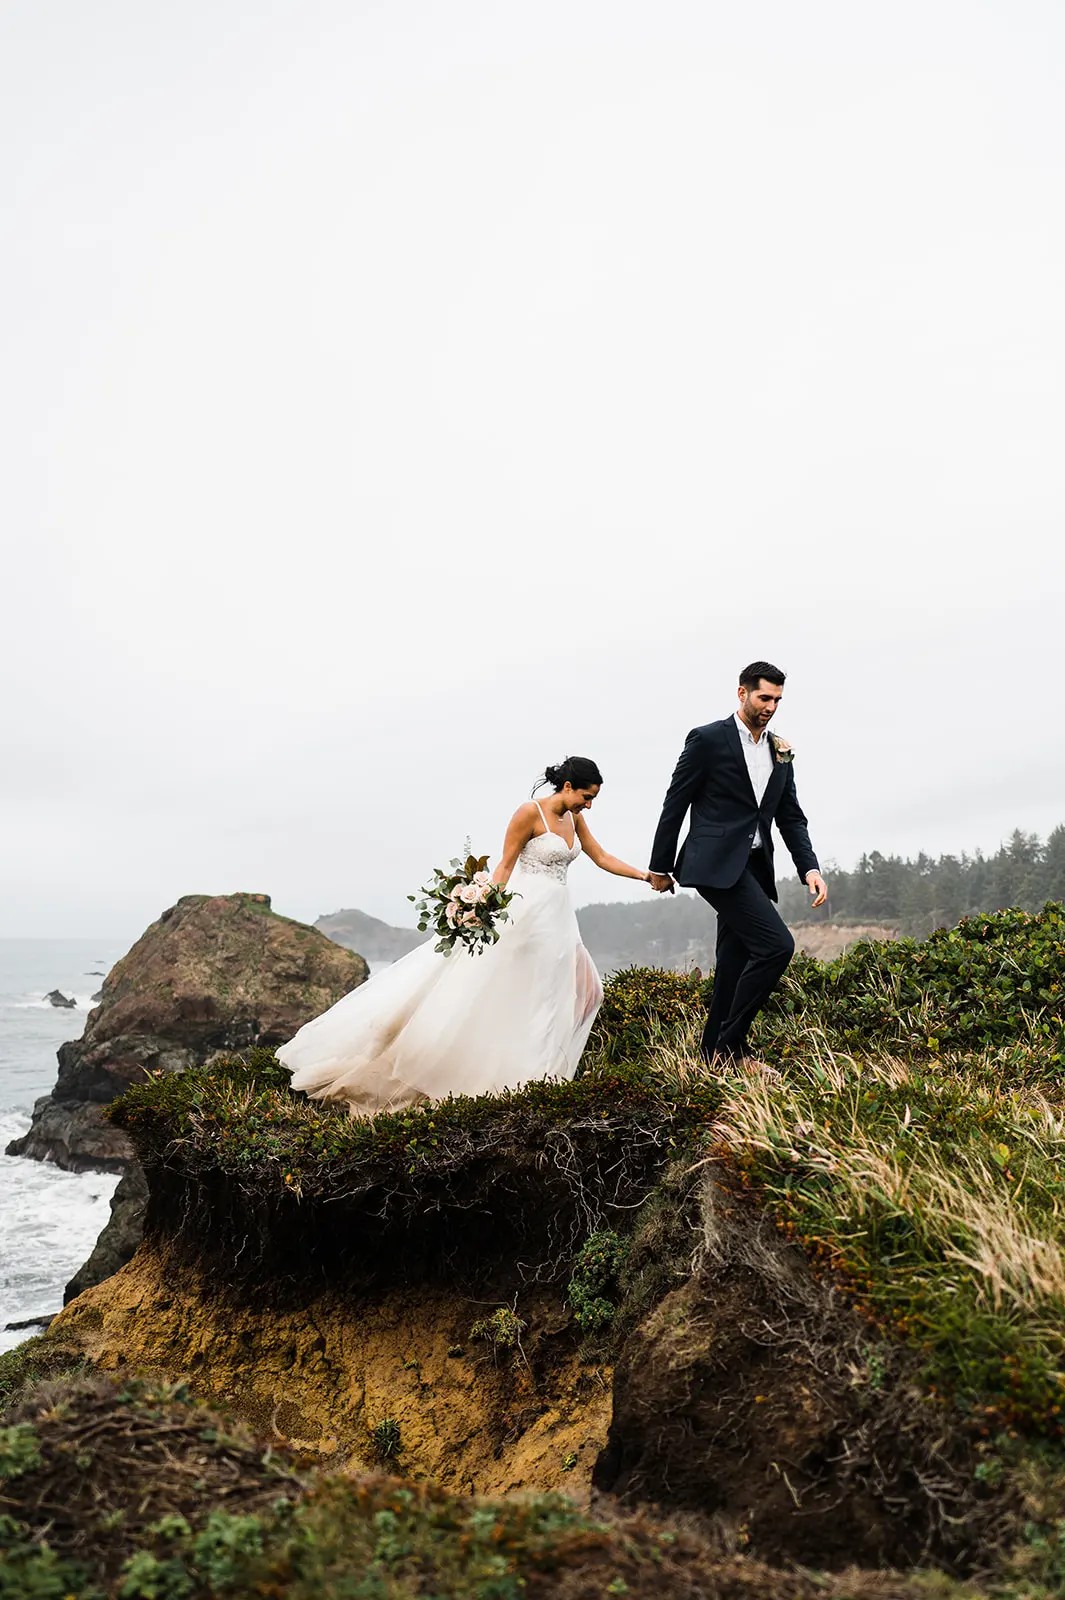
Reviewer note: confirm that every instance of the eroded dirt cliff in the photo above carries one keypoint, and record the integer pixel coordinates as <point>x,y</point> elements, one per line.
<point>472,1415</point>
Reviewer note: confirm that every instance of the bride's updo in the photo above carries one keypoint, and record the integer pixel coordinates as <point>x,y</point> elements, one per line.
<point>578,771</point>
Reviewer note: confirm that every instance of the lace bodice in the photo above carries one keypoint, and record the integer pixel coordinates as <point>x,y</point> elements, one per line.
<point>549,854</point>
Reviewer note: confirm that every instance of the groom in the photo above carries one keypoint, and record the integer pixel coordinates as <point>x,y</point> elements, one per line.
<point>737,778</point>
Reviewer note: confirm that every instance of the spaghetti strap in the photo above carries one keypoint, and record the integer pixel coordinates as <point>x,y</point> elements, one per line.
<point>551,831</point>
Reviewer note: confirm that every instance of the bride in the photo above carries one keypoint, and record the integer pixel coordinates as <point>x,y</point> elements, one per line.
<point>432,1024</point>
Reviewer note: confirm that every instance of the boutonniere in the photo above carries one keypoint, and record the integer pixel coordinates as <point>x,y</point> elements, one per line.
<point>782,750</point>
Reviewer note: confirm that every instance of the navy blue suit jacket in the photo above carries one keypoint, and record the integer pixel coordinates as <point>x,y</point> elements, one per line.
<point>711,779</point>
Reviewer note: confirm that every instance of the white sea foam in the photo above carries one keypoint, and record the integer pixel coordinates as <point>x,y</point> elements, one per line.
<point>49,1219</point>
<point>49,1222</point>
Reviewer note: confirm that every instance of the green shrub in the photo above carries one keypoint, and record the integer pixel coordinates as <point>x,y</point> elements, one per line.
<point>991,981</point>
<point>31,1570</point>
<point>145,1576</point>
<point>1042,1558</point>
<point>502,1330</point>
<point>640,1004</point>
<point>224,1548</point>
<point>19,1450</point>
<point>214,1561</point>
<point>386,1439</point>
<point>592,1290</point>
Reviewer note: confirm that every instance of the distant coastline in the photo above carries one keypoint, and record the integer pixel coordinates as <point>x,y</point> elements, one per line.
<point>677,932</point>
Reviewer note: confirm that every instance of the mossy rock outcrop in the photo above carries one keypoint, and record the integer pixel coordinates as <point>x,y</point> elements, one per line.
<point>215,972</point>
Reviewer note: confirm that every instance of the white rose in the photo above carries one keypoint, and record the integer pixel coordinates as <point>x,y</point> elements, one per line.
<point>482,877</point>
<point>470,894</point>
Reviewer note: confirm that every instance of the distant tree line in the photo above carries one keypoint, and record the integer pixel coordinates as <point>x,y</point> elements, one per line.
<point>903,894</point>
<point>917,894</point>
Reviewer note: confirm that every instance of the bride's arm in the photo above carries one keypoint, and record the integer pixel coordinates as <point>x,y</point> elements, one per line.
<point>520,830</point>
<point>595,852</point>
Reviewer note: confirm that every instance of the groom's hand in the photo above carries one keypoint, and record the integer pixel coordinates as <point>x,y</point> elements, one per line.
<point>817,887</point>
<point>660,882</point>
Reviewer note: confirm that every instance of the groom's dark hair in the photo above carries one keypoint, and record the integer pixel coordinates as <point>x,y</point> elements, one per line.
<point>752,676</point>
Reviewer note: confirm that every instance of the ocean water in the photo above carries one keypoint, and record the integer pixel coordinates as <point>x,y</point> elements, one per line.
<point>49,1220</point>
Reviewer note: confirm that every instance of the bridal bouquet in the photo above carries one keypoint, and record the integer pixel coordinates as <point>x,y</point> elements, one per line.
<point>462,906</point>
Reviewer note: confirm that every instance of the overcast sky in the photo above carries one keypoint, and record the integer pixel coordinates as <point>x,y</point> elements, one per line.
<point>395,398</point>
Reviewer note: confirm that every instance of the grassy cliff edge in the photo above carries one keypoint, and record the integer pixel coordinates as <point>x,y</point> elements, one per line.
<point>824,1301</point>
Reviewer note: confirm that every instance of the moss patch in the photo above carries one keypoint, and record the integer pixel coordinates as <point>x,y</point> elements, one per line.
<point>44,1356</point>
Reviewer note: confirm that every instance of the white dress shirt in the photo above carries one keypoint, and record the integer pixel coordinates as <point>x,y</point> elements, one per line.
<point>758,755</point>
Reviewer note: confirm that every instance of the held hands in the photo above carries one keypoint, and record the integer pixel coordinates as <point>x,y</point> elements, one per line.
<point>661,882</point>
<point>817,887</point>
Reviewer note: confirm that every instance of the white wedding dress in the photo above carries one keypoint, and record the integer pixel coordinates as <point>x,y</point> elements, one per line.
<point>432,1025</point>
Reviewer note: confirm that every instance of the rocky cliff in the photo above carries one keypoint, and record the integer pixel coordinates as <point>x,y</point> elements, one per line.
<point>216,972</point>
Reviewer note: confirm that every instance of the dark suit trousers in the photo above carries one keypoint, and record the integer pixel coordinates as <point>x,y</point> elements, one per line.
<point>753,950</point>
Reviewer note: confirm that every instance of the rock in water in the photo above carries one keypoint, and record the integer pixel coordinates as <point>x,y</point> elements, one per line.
<point>216,972</point>
<point>55,998</point>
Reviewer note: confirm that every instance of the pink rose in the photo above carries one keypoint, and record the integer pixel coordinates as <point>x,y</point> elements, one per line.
<point>470,894</point>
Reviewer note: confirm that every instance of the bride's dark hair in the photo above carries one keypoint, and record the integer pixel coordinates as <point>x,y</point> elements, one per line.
<point>578,771</point>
